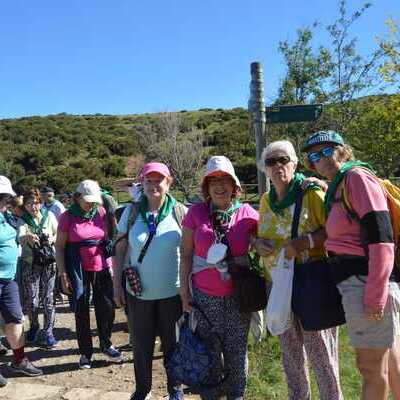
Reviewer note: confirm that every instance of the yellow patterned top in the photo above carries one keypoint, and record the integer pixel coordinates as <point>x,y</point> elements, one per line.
<point>278,227</point>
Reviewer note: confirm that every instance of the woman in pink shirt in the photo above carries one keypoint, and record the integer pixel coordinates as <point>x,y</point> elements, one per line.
<point>360,245</point>
<point>207,225</point>
<point>82,266</point>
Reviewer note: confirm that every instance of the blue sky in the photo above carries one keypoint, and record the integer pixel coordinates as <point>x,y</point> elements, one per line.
<point>131,56</point>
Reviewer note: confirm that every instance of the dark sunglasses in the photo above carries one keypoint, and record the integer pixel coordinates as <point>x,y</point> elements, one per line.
<point>283,160</point>
<point>316,156</point>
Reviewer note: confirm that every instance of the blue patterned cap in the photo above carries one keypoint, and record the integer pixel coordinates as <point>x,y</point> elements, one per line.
<point>323,137</point>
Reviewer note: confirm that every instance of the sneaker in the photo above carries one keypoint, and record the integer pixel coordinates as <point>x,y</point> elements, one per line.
<point>113,354</point>
<point>50,341</point>
<point>3,349</point>
<point>26,367</point>
<point>84,363</point>
<point>177,394</point>
<point>3,381</point>
<point>140,396</point>
<point>32,334</point>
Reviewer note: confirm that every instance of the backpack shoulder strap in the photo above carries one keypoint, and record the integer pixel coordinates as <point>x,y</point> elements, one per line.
<point>179,212</point>
<point>132,215</point>
<point>344,197</point>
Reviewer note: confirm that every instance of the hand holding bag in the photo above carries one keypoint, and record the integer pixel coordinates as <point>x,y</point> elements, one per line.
<point>279,308</point>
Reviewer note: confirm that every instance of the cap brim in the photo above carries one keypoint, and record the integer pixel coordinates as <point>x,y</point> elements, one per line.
<point>93,199</point>
<point>164,174</point>
<point>8,191</point>
<point>220,173</point>
<point>307,147</point>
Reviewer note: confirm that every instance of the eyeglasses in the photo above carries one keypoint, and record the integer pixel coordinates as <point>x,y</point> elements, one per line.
<point>32,203</point>
<point>316,156</point>
<point>283,160</point>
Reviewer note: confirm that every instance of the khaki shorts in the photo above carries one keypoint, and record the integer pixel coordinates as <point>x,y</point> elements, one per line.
<point>363,332</point>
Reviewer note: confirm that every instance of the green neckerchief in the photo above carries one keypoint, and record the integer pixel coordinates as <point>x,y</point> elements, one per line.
<point>294,189</point>
<point>35,228</point>
<point>164,211</point>
<point>105,191</point>
<point>224,216</point>
<point>330,194</point>
<point>76,210</point>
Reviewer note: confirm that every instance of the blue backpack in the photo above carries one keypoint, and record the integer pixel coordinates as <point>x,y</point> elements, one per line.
<point>191,361</point>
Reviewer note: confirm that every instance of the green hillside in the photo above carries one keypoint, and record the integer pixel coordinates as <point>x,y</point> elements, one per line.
<point>60,150</point>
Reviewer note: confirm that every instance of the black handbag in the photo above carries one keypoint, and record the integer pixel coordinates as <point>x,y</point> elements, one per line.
<point>316,301</point>
<point>250,288</point>
<point>249,284</point>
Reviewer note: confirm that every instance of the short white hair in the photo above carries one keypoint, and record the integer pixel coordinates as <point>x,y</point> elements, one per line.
<point>280,145</point>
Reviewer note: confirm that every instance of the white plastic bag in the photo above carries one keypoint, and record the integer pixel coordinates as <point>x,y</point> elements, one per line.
<point>279,308</point>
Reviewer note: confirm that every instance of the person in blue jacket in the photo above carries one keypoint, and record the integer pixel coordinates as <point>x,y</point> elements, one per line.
<point>10,304</point>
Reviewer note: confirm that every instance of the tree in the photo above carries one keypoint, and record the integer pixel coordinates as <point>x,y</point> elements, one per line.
<point>168,139</point>
<point>306,70</point>
<point>335,73</point>
<point>352,73</point>
<point>390,46</point>
<point>375,133</point>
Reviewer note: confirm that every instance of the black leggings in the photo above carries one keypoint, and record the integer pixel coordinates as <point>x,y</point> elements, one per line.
<point>104,309</point>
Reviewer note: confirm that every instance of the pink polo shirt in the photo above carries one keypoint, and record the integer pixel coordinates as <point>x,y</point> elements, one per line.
<point>344,235</point>
<point>79,229</point>
<point>243,224</point>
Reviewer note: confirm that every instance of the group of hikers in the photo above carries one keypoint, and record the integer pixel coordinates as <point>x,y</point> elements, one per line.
<point>162,259</point>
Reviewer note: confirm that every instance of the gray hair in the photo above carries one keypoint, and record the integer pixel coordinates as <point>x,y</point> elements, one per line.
<point>280,145</point>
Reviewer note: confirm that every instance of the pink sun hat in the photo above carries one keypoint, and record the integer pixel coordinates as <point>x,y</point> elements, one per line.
<point>160,168</point>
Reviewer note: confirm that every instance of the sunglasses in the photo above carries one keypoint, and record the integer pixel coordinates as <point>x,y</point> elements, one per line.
<point>283,160</point>
<point>316,156</point>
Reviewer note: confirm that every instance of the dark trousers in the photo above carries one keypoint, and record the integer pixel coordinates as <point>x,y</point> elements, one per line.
<point>102,288</point>
<point>149,318</point>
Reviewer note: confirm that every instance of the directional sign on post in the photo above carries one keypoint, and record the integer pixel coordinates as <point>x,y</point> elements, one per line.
<point>292,113</point>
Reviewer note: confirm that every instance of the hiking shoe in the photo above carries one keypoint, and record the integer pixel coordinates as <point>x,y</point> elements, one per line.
<point>177,394</point>
<point>32,334</point>
<point>3,350</point>
<point>140,396</point>
<point>50,342</point>
<point>113,354</point>
<point>26,367</point>
<point>3,381</point>
<point>84,363</point>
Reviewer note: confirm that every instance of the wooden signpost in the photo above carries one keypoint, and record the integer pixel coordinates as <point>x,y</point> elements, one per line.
<point>261,116</point>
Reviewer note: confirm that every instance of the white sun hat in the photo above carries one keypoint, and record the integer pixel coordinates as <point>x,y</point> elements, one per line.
<point>5,186</point>
<point>90,191</point>
<point>221,164</point>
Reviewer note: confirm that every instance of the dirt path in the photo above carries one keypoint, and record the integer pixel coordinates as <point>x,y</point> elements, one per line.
<point>60,364</point>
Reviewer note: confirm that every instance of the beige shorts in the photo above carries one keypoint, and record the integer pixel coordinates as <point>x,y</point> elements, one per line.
<point>363,332</point>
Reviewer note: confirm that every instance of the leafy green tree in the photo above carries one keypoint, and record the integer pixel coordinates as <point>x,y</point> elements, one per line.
<point>390,46</point>
<point>306,70</point>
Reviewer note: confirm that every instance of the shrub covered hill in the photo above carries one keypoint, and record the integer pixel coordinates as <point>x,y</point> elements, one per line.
<point>60,150</point>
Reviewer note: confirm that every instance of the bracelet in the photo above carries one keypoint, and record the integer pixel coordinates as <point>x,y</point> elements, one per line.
<point>310,240</point>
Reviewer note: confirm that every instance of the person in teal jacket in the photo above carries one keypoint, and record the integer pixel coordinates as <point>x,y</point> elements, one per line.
<point>10,304</point>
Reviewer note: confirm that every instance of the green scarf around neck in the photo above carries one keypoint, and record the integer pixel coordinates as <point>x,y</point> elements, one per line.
<point>290,198</point>
<point>163,212</point>
<point>30,220</point>
<point>224,216</point>
<point>330,194</point>
<point>76,210</point>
